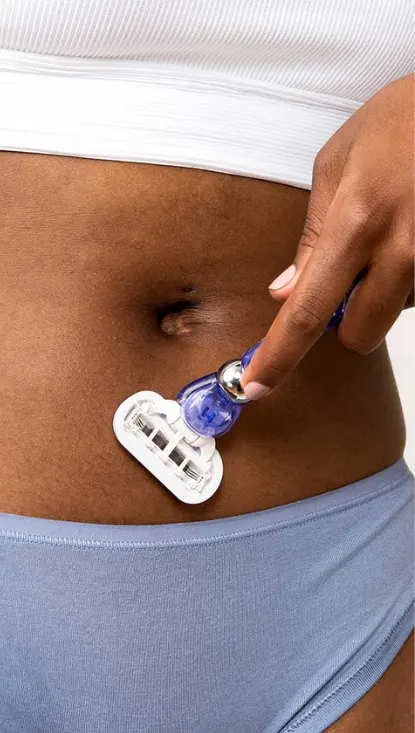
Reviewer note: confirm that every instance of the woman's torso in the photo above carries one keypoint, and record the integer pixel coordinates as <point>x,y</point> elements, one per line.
<point>118,277</point>
<point>121,276</point>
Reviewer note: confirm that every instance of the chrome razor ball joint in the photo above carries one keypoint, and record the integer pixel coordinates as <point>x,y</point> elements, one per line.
<point>229,379</point>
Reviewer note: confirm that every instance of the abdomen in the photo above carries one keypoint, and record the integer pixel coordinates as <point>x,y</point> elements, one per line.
<point>118,277</point>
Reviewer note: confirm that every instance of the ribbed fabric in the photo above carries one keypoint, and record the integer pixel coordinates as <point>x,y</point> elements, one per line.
<point>254,88</point>
<point>272,622</point>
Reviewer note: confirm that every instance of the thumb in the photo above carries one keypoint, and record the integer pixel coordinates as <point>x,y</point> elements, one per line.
<point>284,284</point>
<point>322,193</point>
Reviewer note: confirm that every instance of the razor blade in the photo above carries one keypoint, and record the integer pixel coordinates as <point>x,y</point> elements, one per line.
<point>153,431</point>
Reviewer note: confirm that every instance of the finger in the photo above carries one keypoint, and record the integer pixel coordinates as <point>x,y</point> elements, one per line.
<point>327,173</point>
<point>376,303</point>
<point>410,301</point>
<point>340,255</point>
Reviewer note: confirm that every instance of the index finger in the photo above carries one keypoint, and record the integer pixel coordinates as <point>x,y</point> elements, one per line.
<point>338,257</point>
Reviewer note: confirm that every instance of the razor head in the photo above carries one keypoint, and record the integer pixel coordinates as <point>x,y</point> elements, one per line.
<point>152,430</point>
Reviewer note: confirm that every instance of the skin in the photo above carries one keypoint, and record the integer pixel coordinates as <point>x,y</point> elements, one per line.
<point>116,277</point>
<point>360,218</point>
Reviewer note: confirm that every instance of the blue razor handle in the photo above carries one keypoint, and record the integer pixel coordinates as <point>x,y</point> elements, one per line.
<point>211,404</point>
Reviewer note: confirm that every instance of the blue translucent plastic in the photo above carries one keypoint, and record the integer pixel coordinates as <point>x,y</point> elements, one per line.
<point>206,407</point>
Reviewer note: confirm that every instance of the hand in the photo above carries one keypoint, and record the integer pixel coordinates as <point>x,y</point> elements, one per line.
<point>360,217</point>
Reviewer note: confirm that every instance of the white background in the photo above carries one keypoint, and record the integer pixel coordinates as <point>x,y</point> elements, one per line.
<point>401,343</point>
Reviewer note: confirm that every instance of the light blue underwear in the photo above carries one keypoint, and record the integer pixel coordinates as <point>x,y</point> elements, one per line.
<point>273,622</point>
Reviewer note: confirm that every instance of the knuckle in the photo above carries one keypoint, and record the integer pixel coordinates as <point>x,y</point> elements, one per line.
<point>362,210</point>
<point>273,366</point>
<point>355,343</point>
<point>363,336</point>
<point>311,232</point>
<point>329,162</point>
<point>304,316</point>
<point>277,371</point>
<point>376,311</point>
<point>357,213</point>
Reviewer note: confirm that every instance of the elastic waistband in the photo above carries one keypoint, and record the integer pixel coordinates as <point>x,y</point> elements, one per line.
<point>81,534</point>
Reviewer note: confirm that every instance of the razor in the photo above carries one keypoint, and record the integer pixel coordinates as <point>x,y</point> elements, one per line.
<point>175,439</point>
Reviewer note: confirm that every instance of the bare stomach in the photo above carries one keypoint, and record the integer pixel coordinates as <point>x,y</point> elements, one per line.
<point>117,277</point>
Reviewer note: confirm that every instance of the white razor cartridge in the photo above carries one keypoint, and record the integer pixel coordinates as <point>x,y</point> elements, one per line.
<point>152,430</point>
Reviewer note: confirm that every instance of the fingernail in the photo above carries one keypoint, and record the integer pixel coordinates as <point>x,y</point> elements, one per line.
<point>255,390</point>
<point>283,279</point>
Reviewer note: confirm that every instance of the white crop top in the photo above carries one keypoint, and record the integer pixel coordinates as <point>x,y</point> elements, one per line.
<point>250,87</point>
